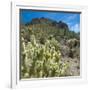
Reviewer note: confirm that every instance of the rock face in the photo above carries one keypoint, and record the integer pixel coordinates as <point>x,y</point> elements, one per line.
<point>47,21</point>
<point>62,25</point>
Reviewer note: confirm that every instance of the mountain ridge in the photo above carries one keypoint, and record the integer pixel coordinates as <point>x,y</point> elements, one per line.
<point>48,21</point>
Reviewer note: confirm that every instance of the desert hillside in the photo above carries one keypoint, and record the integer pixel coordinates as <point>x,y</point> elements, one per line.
<point>49,49</point>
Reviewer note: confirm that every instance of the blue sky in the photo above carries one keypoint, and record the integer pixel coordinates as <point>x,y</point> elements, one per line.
<point>72,19</point>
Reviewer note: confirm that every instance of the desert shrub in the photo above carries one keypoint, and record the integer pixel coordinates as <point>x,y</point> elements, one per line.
<point>74,48</point>
<point>73,43</point>
<point>41,60</point>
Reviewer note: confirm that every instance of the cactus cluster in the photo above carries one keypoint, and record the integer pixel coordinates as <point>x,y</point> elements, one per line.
<point>41,60</point>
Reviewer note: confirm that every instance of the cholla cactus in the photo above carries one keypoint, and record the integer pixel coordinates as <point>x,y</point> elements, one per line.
<point>42,60</point>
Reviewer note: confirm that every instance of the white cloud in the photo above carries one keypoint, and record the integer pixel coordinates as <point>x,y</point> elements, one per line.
<point>72,17</point>
<point>75,28</point>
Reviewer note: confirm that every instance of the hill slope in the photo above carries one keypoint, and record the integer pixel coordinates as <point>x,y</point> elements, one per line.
<point>44,29</point>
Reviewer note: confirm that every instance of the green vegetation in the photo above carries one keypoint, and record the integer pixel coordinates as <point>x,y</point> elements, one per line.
<point>48,49</point>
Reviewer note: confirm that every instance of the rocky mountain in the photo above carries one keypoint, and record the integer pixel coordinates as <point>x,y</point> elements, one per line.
<point>50,22</point>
